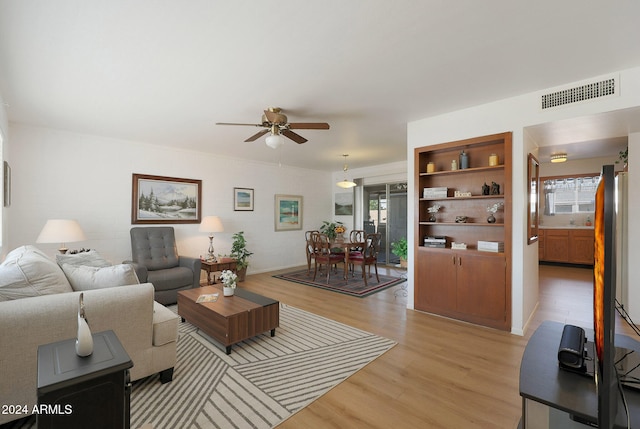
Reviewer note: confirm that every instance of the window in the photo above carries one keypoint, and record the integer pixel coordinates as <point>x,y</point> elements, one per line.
<point>570,195</point>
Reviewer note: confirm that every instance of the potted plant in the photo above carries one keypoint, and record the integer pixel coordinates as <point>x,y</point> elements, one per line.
<point>623,156</point>
<point>228,278</point>
<point>240,253</point>
<point>399,248</point>
<point>329,229</point>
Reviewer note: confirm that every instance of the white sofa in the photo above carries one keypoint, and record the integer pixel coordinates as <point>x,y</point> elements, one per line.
<point>146,329</point>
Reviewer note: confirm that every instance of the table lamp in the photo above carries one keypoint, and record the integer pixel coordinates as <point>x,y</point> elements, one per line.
<point>211,224</point>
<point>61,231</point>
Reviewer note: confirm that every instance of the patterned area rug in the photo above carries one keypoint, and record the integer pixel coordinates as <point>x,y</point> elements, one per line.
<point>261,383</point>
<point>354,286</point>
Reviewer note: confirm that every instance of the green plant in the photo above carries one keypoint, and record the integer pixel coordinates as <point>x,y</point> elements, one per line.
<point>399,248</point>
<point>623,156</point>
<point>329,228</point>
<point>239,250</point>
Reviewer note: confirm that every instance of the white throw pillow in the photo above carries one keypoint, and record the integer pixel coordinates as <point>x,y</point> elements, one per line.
<point>27,272</point>
<point>86,278</point>
<point>90,258</point>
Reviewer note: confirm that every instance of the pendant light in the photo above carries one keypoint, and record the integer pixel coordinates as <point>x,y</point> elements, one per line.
<point>346,183</point>
<point>275,140</point>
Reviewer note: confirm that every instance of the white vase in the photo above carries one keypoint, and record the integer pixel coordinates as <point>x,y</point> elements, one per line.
<point>84,341</point>
<point>228,291</point>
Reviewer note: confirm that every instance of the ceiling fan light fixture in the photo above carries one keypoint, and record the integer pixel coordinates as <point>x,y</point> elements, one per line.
<point>558,157</point>
<point>274,141</point>
<point>346,184</point>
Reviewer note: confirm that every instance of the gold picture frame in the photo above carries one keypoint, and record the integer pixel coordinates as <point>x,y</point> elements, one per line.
<point>161,199</point>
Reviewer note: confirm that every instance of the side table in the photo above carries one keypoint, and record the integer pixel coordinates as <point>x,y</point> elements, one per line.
<point>92,391</point>
<point>213,267</point>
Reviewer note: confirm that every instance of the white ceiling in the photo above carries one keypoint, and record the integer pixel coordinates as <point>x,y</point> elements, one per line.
<point>164,72</point>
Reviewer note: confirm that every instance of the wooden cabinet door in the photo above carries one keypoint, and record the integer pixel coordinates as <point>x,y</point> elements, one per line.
<point>556,245</point>
<point>581,249</point>
<point>481,291</point>
<point>541,255</point>
<point>436,285</point>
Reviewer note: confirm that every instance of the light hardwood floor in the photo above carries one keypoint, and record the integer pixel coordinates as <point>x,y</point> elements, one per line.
<point>442,373</point>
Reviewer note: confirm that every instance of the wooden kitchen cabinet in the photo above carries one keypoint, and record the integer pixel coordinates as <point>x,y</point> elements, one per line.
<point>568,246</point>
<point>581,242</point>
<point>556,245</point>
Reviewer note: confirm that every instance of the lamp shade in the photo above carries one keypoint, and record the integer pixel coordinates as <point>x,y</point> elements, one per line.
<point>274,141</point>
<point>211,224</point>
<point>346,184</point>
<point>61,231</point>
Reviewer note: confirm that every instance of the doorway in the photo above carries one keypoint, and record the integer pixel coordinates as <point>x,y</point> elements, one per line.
<point>385,211</point>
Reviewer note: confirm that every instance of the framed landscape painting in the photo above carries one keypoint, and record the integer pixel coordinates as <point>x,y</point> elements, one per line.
<point>160,199</point>
<point>288,212</point>
<point>242,199</point>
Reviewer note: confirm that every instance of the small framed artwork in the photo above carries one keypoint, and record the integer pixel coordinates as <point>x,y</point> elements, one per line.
<point>344,204</point>
<point>7,184</point>
<point>288,212</point>
<point>242,199</point>
<point>160,199</point>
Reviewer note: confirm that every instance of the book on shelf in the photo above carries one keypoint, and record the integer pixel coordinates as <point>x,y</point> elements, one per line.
<point>440,192</point>
<point>491,246</point>
<point>435,239</point>
<point>436,245</point>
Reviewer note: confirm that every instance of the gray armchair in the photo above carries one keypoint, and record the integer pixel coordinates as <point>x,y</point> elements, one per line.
<point>155,257</point>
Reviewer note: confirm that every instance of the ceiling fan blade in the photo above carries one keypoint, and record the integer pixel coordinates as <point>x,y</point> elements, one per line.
<point>233,123</point>
<point>309,126</point>
<point>293,136</point>
<point>257,135</point>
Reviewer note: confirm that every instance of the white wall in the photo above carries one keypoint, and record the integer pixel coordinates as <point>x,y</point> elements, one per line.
<point>58,174</point>
<point>513,114</point>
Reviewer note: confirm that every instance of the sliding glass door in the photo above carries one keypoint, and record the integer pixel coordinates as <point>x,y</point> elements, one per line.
<point>385,211</point>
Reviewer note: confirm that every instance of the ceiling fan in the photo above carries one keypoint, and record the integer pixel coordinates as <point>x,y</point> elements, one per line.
<point>276,122</point>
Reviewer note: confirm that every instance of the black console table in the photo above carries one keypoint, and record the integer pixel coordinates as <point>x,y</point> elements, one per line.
<point>92,391</point>
<point>550,395</point>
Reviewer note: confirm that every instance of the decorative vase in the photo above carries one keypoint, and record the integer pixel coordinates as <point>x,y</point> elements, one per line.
<point>84,341</point>
<point>464,160</point>
<point>432,217</point>
<point>491,218</point>
<point>228,291</point>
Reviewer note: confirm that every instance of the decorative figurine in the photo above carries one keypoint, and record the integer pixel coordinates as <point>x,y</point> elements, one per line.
<point>485,189</point>
<point>495,188</point>
<point>461,219</point>
<point>84,341</point>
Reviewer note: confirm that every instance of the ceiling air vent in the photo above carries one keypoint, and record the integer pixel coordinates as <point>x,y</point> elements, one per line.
<point>580,93</point>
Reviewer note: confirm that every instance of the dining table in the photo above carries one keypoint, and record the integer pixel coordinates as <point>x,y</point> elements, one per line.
<point>345,246</point>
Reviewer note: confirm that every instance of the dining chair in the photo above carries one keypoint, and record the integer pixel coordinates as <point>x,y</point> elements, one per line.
<point>369,256</point>
<point>323,255</point>
<point>309,248</point>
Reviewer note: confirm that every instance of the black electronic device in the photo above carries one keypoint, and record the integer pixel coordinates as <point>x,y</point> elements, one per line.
<point>571,353</point>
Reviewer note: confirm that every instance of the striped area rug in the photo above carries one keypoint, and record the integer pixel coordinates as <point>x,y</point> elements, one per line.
<point>262,382</point>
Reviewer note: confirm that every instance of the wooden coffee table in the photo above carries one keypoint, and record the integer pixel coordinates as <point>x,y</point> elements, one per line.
<point>230,319</point>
